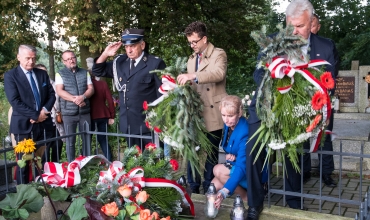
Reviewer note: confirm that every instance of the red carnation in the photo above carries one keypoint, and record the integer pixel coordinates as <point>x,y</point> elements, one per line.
<point>138,150</point>
<point>150,146</point>
<point>145,105</point>
<point>318,100</point>
<point>147,124</point>
<point>327,80</point>
<point>174,164</point>
<point>156,129</point>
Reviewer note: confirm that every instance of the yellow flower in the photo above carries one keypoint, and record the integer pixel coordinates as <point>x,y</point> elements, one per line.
<point>25,146</point>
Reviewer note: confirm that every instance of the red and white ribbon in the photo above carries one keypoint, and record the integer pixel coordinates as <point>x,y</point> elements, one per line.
<point>56,175</point>
<point>281,67</point>
<point>168,83</point>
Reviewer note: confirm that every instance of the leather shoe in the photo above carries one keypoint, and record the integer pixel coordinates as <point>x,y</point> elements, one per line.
<point>306,176</point>
<point>326,178</point>
<point>254,212</point>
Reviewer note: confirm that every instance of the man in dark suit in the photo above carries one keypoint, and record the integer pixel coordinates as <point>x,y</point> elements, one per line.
<point>327,159</point>
<point>133,80</point>
<point>298,14</point>
<point>32,97</point>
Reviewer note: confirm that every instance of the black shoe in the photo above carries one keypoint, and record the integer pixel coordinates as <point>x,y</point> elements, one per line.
<point>326,178</point>
<point>254,212</point>
<point>196,191</point>
<point>306,177</point>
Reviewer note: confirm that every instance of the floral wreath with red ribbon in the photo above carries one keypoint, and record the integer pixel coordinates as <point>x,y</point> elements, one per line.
<point>292,100</point>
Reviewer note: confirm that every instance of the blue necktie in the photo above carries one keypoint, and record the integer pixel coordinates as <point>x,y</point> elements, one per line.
<point>34,90</point>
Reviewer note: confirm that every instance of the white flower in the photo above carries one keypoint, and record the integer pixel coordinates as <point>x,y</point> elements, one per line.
<point>276,145</point>
<point>243,101</point>
<point>246,97</point>
<point>197,148</point>
<point>249,102</point>
<point>253,93</point>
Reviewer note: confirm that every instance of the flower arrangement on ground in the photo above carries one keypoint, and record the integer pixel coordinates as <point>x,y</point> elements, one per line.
<point>176,116</point>
<point>292,100</point>
<point>138,187</point>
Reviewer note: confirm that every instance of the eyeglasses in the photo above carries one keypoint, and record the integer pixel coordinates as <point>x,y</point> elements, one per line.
<point>194,43</point>
<point>70,59</point>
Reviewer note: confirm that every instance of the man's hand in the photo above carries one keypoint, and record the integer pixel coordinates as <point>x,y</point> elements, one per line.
<point>111,121</point>
<point>82,104</point>
<point>111,49</point>
<point>78,100</point>
<point>42,117</point>
<point>183,78</point>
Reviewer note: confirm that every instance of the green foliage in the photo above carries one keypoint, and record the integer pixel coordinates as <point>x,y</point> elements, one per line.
<point>179,117</point>
<point>77,210</point>
<point>19,204</point>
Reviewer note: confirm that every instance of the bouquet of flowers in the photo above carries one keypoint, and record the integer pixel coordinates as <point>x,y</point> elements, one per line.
<point>292,100</point>
<point>139,187</point>
<point>176,116</point>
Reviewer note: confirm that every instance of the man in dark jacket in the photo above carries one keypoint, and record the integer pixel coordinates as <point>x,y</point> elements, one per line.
<point>133,80</point>
<point>32,97</point>
<point>299,14</point>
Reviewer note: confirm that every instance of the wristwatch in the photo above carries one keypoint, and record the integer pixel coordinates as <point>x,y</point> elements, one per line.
<point>84,96</point>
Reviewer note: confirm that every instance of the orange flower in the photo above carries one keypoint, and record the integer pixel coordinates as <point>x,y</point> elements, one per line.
<point>125,190</point>
<point>167,218</point>
<point>154,216</point>
<point>314,123</point>
<point>110,209</point>
<point>144,214</point>
<point>141,197</point>
<point>318,100</point>
<point>150,146</point>
<point>145,105</point>
<point>327,80</point>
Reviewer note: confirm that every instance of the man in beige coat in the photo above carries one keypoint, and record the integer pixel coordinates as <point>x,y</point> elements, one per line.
<point>207,69</point>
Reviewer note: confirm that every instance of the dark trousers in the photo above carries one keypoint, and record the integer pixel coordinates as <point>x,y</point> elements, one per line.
<point>212,159</point>
<point>54,148</point>
<point>327,160</point>
<point>256,191</point>
<point>101,126</point>
<point>23,175</point>
<point>141,142</point>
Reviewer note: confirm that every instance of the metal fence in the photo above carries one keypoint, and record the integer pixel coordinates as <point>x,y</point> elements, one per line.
<point>363,202</point>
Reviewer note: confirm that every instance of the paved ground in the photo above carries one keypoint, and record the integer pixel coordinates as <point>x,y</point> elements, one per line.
<point>349,190</point>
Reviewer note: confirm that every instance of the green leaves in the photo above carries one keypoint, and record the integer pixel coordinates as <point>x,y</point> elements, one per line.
<point>19,204</point>
<point>58,194</point>
<point>77,209</point>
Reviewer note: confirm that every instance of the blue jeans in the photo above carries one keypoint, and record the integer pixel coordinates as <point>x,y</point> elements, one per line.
<point>101,125</point>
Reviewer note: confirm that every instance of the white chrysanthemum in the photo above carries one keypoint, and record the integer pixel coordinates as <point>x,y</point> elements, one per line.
<point>151,114</point>
<point>253,93</point>
<point>246,97</point>
<point>197,148</point>
<point>249,102</point>
<point>243,101</point>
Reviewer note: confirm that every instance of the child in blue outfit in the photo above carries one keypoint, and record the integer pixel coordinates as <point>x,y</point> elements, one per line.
<point>231,176</point>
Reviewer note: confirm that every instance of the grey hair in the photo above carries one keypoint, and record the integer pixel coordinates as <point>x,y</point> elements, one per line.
<point>27,47</point>
<point>297,7</point>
